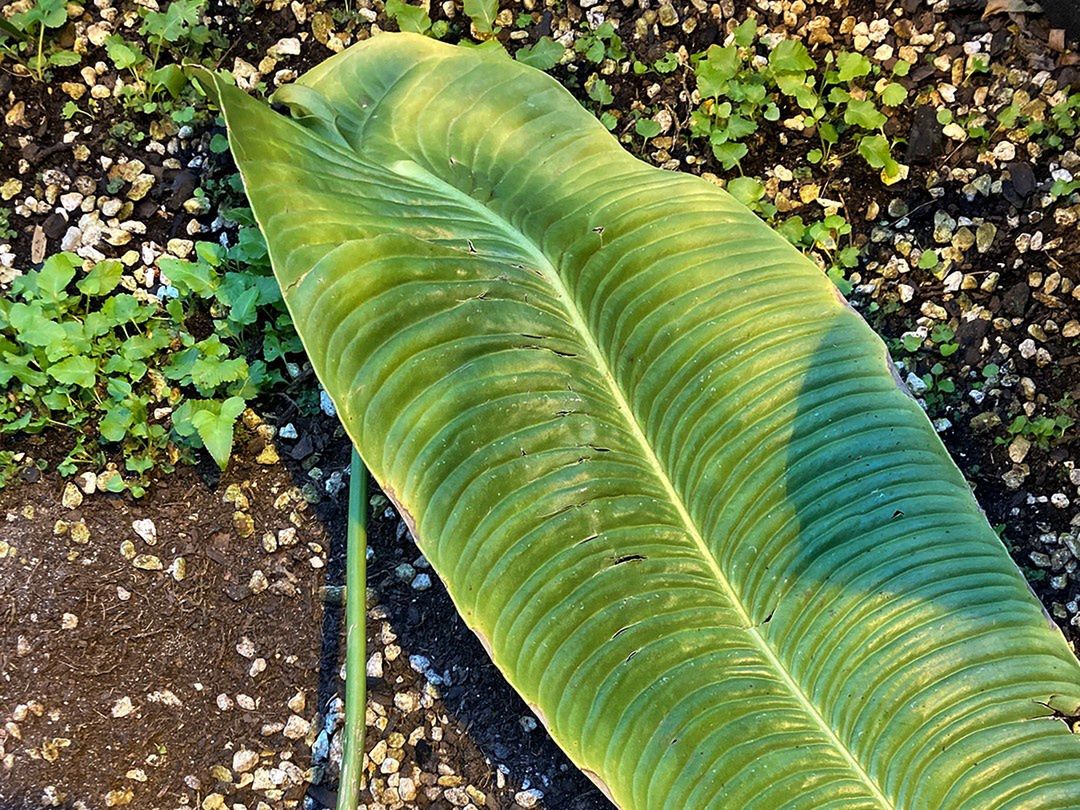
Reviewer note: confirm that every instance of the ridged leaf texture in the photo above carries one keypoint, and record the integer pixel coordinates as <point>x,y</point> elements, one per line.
<point>665,472</point>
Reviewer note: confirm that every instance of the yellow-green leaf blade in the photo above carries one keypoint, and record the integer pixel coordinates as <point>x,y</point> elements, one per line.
<point>665,472</point>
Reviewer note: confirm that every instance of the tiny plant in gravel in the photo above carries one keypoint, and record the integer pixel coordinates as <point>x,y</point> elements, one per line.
<point>26,38</point>
<point>828,241</point>
<point>1053,128</point>
<point>6,231</point>
<point>414,19</point>
<point>922,354</point>
<point>544,54</point>
<point>1044,430</point>
<point>482,14</point>
<point>176,31</point>
<point>601,43</point>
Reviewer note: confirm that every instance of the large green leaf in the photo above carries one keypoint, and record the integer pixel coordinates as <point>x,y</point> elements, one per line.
<point>665,472</point>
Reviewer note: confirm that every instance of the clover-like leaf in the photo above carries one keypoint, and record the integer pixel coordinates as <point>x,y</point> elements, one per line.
<point>864,113</point>
<point>790,56</point>
<point>851,66</point>
<point>213,422</point>
<point>544,55</point>
<point>80,371</point>
<point>102,279</point>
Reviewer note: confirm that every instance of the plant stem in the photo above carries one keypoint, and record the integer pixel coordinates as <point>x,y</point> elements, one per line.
<point>41,52</point>
<point>352,759</point>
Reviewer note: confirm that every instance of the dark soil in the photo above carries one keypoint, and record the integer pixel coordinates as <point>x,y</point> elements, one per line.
<point>144,636</point>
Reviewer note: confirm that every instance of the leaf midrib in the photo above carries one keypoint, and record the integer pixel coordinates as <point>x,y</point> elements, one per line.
<point>414,171</point>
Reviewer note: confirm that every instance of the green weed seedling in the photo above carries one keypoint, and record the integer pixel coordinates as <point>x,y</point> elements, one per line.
<point>415,19</point>
<point>116,369</point>
<point>601,43</point>
<point>545,54</point>
<point>176,32</point>
<point>482,14</point>
<point>1043,431</point>
<point>24,38</point>
<point>743,83</point>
